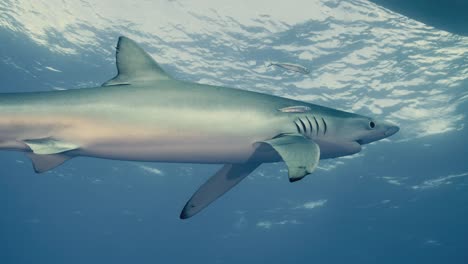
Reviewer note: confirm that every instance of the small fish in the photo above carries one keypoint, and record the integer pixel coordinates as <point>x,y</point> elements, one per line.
<point>290,67</point>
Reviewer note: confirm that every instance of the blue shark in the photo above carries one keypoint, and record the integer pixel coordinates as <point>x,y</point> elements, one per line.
<point>144,114</point>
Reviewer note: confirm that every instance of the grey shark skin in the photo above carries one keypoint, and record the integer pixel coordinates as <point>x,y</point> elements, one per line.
<point>145,115</point>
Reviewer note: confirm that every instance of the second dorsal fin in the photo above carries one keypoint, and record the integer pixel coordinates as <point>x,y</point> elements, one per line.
<point>135,65</point>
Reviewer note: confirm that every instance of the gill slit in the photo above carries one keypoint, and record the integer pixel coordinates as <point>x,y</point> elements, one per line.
<point>297,127</point>
<point>324,126</point>
<point>310,125</point>
<point>318,127</point>
<point>303,125</point>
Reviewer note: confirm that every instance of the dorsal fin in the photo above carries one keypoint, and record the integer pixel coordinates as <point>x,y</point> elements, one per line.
<point>134,65</point>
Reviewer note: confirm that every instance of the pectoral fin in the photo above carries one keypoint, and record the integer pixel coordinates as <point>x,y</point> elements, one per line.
<point>46,146</point>
<point>43,163</point>
<point>300,154</point>
<point>216,186</point>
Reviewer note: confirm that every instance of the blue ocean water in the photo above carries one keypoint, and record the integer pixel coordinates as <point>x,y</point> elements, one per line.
<point>401,200</point>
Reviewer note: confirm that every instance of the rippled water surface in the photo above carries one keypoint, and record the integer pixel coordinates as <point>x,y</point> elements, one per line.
<point>401,200</point>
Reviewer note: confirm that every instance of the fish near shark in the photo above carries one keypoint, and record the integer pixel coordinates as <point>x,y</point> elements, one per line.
<point>144,114</point>
<point>290,67</point>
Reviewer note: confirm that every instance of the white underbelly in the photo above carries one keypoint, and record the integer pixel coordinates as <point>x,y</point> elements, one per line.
<point>206,150</point>
<point>174,135</point>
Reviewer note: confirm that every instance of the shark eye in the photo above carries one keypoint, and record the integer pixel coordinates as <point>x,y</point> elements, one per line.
<point>371,124</point>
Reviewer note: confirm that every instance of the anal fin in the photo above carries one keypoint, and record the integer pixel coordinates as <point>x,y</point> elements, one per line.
<point>43,163</point>
<point>226,178</point>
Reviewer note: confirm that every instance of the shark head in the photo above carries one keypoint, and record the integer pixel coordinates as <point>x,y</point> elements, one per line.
<point>367,130</point>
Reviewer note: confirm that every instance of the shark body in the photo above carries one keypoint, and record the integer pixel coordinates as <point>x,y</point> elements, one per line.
<point>143,114</point>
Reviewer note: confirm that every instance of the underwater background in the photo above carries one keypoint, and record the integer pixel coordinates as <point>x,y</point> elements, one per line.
<point>400,200</point>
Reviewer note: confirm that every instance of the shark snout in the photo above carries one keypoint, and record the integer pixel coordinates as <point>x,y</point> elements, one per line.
<point>391,130</point>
